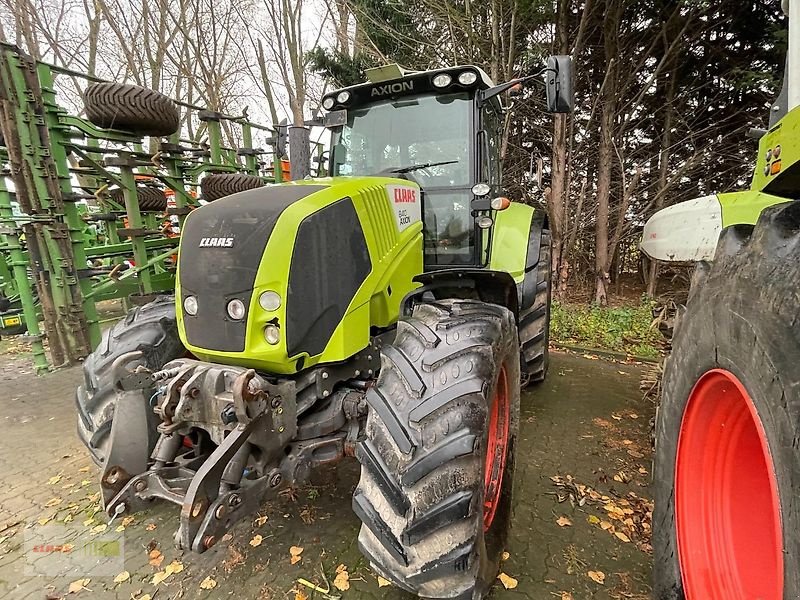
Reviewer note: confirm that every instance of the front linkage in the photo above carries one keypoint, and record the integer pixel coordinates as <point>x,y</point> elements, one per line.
<point>227,437</point>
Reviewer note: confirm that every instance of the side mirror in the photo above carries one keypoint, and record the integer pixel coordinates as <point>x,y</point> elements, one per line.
<point>558,83</point>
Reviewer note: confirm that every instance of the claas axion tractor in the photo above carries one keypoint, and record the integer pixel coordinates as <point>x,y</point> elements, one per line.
<point>389,312</point>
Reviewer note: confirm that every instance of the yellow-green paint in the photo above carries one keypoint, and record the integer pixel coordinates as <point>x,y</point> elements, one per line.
<point>396,259</point>
<point>745,207</point>
<point>510,233</point>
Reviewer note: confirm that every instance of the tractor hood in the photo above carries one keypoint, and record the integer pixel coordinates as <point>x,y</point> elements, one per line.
<point>322,248</point>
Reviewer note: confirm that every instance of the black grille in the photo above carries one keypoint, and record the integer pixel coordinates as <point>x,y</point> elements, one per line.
<point>329,263</point>
<point>215,273</point>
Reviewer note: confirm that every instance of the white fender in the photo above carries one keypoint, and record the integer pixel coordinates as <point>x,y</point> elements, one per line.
<point>684,232</point>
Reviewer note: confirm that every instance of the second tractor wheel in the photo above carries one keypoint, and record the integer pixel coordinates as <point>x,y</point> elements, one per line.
<point>151,199</point>
<point>131,108</point>
<point>534,321</point>
<point>727,463</point>
<point>437,464</point>
<point>219,185</point>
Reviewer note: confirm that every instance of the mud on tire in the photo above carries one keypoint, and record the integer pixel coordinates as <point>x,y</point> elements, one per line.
<point>219,185</point>
<point>131,108</point>
<point>534,321</point>
<point>741,317</point>
<point>151,199</point>
<point>421,493</point>
<point>153,330</point>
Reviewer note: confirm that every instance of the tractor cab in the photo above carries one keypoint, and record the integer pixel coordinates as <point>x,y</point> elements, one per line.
<point>440,129</point>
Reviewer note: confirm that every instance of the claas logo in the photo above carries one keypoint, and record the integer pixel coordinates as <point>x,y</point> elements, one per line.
<point>405,195</point>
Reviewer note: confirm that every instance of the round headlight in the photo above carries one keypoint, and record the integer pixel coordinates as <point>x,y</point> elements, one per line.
<point>343,97</point>
<point>481,189</point>
<point>272,334</point>
<point>442,80</point>
<point>270,301</point>
<point>467,78</point>
<point>484,222</point>
<point>236,309</point>
<point>190,305</point>
<point>328,103</point>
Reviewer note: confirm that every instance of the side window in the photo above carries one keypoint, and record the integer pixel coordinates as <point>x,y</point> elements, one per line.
<point>493,127</point>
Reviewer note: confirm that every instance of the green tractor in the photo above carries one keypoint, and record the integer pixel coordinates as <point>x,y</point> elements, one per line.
<point>389,312</point>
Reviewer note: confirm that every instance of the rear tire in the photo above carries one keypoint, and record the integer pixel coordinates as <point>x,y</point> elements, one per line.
<point>131,108</point>
<point>733,474</point>
<point>534,321</point>
<point>422,490</point>
<point>151,329</point>
<point>219,185</point>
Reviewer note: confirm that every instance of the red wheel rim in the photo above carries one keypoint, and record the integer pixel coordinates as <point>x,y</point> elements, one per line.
<point>496,450</point>
<point>727,508</point>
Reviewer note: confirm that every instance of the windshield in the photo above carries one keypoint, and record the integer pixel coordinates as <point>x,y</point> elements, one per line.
<point>406,132</point>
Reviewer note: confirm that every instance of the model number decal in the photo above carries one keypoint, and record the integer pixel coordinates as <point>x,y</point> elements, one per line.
<point>405,203</point>
<point>216,242</point>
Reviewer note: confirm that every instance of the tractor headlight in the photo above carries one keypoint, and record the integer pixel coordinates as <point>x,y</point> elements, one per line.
<point>272,334</point>
<point>467,78</point>
<point>484,222</point>
<point>328,103</point>
<point>442,80</point>
<point>481,189</point>
<point>500,203</point>
<point>236,309</point>
<point>270,301</point>
<point>190,305</point>
<point>343,97</point>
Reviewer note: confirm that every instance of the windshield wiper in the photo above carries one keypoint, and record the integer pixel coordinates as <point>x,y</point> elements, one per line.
<point>422,166</point>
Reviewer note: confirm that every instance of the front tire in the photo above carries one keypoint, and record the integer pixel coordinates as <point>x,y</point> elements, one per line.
<point>727,463</point>
<point>151,329</point>
<point>437,468</point>
<point>534,321</point>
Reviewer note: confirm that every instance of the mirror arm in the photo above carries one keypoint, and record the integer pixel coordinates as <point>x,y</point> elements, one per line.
<point>499,89</point>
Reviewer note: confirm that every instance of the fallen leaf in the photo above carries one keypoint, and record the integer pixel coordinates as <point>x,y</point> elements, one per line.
<point>597,576</point>
<point>208,584</point>
<point>99,528</point>
<point>83,470</point>
<point>505,555</point>
<point>605,525</point>
<point>88,522</point>
<point>508,582</point>
<point>78,585</point>
<point>622,536</point>
<point>155,558</point>
<point>69,518</point>
<point>124,576</point>
<point>53,502</point>
<point>127,521</point>
<point>85,482</point>
<point>299,595</point>
<point>54,480</point>
<point>174,567</point>
<point>563,522</point>
<point>383,582</point>
<point>566,596</point>
<point>342,580</point>
<point>44,520</point>
<point>260,521</point>
<point>593,520</point>
<point>145,597</point>
<point>256,541</point>
<point>295,552</point>
<point>151,527</point>
<point>159,577</point>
